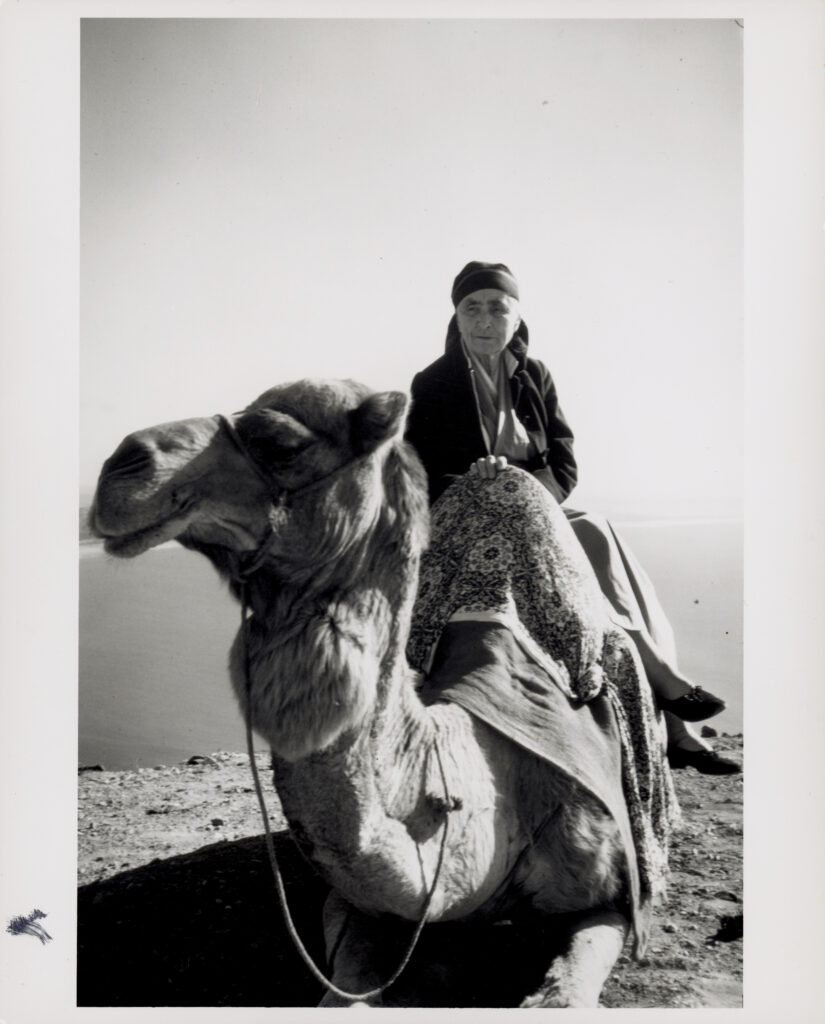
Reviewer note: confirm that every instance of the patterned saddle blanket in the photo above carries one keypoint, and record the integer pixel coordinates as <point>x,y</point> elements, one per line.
<point>510,623</point>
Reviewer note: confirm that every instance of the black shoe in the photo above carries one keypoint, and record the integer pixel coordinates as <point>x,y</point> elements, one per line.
<point>695,706</point>
<point>708,762</point>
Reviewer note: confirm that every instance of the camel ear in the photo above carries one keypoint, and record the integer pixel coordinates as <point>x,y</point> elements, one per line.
<point>377,419</point>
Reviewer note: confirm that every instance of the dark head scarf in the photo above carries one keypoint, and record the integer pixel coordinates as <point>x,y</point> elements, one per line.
<point>477,275</point>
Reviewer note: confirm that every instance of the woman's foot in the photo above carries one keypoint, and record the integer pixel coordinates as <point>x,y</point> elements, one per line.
<point>696,705</point>
<point>706,761</point>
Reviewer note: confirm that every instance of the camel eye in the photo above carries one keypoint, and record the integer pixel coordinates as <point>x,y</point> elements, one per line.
<point>273,439</point>
<point>272,452</point>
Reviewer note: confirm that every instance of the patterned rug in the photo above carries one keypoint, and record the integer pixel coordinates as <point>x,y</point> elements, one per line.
<point>502,551</point>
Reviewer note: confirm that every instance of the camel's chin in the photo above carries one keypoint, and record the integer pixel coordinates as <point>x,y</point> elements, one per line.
<point>129,545</point>
<point>126,547</point>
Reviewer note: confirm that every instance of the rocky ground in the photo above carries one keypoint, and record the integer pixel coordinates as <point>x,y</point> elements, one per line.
<point>177,906</point>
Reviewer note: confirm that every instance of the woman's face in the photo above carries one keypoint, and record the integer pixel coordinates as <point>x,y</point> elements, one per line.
<point>487,320</point>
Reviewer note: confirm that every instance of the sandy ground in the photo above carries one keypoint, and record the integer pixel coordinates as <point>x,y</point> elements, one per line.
<point>177,904</point>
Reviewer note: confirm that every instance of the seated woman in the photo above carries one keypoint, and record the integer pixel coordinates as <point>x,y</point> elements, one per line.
<point>485,405</point>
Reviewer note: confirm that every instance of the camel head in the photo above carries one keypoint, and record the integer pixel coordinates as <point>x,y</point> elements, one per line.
<point>291,484</point>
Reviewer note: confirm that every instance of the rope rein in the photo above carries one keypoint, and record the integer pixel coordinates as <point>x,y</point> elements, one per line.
<point>270,845</point>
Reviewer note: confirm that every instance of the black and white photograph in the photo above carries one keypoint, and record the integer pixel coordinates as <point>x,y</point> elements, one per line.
<point>418,495</point>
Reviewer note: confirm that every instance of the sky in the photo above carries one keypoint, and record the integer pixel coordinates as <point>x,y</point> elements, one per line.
<point>269,199</point>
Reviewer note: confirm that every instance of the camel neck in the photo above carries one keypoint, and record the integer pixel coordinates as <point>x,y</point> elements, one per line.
<point>325,660</point>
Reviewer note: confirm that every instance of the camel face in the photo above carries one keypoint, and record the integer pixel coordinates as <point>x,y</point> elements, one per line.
<point>177,478</point>
<point>216,483</point>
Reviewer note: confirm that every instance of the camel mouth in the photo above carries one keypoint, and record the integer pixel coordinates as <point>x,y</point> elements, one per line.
<point>105,521</point>
<point>128,545</point>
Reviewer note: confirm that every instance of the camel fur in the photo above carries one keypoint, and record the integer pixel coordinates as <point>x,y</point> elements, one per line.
<point>312,496</point>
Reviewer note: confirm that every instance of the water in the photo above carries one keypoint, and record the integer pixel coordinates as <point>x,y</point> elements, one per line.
<point>155,634</point>
<point>697,569</point>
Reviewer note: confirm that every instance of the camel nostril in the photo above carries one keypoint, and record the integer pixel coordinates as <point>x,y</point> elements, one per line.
<point>131,457</point>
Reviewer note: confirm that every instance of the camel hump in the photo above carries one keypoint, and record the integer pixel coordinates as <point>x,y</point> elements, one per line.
<point>515,488</point>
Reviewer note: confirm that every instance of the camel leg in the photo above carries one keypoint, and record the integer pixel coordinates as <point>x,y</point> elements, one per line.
<point>355,950</point>
<point>577,976</point>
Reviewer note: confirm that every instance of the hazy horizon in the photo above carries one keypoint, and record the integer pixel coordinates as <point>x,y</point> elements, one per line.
<point>161,701</point>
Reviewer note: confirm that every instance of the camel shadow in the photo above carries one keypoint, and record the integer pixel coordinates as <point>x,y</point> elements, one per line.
<point>205,929</point>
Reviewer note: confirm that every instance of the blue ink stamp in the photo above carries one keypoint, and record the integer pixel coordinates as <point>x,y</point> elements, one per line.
<point>29,926</point>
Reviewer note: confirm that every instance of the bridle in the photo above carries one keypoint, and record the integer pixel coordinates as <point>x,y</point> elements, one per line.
<point>281,498</point>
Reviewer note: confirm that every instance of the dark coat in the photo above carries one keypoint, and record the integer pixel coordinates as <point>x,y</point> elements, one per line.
<point>443,424</point>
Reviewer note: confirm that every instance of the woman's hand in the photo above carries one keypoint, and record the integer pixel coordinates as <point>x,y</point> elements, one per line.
<point>488,467</point>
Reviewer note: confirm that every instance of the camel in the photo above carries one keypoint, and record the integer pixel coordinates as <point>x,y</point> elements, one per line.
<point>312,507</point>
